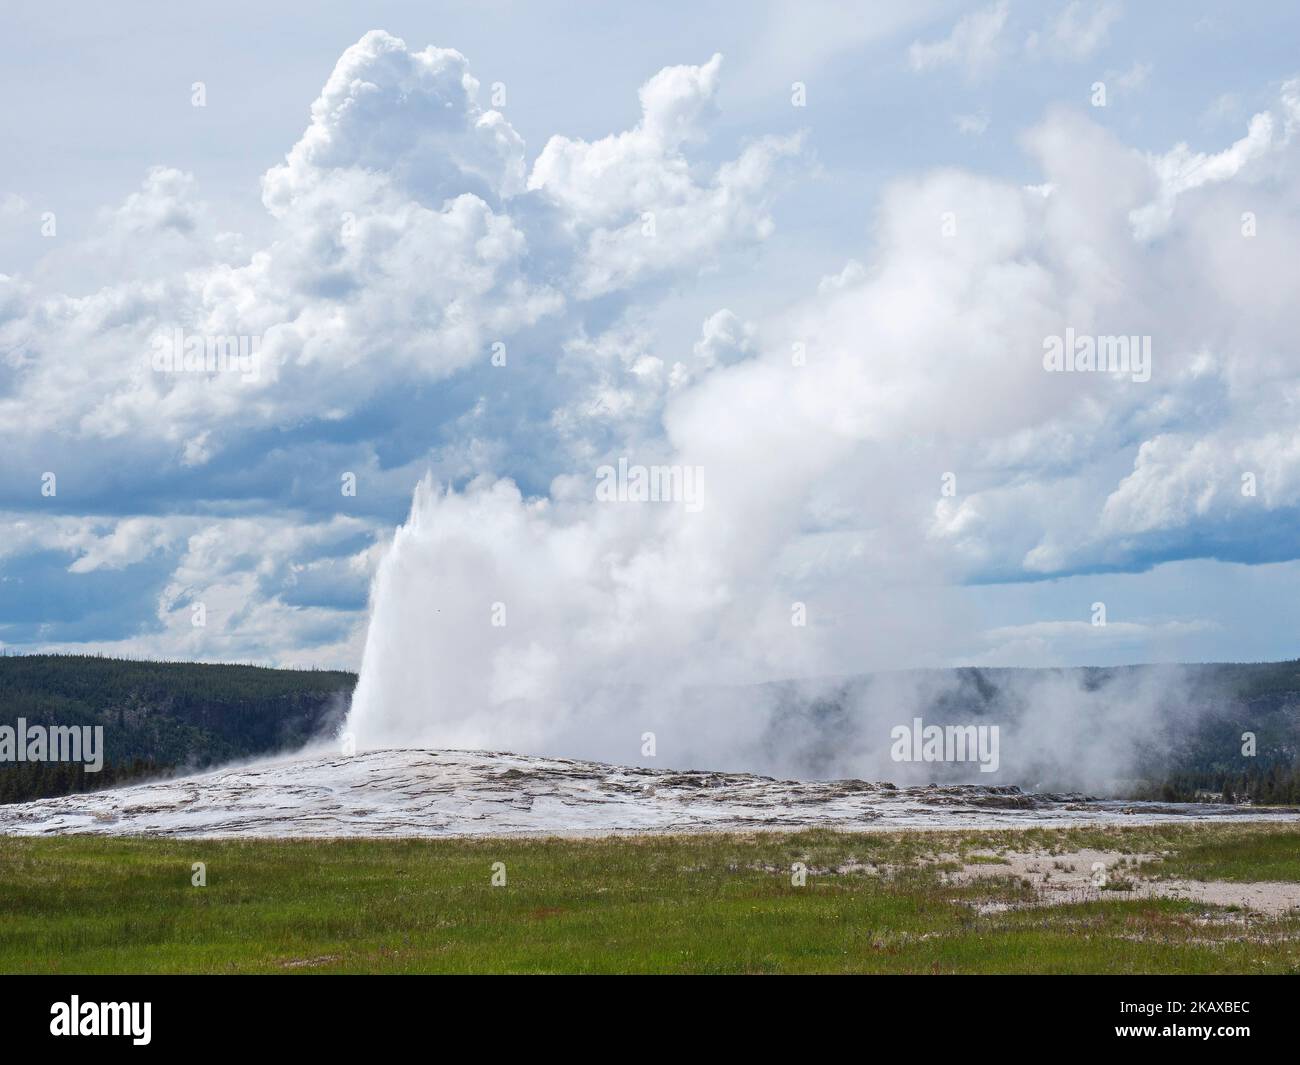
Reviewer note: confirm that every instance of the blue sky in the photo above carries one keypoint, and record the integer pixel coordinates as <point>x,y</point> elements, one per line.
<point>378,247</point>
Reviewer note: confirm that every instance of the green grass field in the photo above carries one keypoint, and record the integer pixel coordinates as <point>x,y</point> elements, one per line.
<point>873,902</point>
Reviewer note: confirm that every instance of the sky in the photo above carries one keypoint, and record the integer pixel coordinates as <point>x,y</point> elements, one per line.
<point>816,251</point>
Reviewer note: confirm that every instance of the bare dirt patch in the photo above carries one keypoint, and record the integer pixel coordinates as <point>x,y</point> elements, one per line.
<point>310,963</point>
<point>1092,875</point>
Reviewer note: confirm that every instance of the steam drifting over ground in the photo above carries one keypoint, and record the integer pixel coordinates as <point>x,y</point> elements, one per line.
<point>599,631</point>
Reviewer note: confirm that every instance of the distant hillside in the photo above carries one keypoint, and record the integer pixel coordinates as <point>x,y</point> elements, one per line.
<point>1191,749</point>
<point>161,717</point>
<point>166,717</point>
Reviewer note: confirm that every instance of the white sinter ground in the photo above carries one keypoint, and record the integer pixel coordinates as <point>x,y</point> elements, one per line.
<point>478,793</point>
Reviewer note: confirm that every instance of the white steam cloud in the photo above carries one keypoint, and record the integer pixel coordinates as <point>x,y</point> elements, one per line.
<point>580,630</point>
<point>563,624</point>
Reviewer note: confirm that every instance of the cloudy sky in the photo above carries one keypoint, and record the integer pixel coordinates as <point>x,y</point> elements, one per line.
<point>814,250</point>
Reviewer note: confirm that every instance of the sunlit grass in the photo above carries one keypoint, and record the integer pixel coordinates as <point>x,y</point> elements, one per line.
<point>873,902</point>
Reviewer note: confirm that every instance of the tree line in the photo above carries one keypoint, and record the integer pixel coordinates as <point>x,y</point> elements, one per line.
<point>161,718</point>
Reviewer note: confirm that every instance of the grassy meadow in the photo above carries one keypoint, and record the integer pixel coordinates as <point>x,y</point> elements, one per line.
<point>872,903</point>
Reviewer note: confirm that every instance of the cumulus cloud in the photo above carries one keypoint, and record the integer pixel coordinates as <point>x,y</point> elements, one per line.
<point>725,339</point>
<point>1181,170</point>
<point>234,589</point>
<point>406,244</point>
<point>412,116</point>
<point>632,199</point>
<point>405,247</point>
